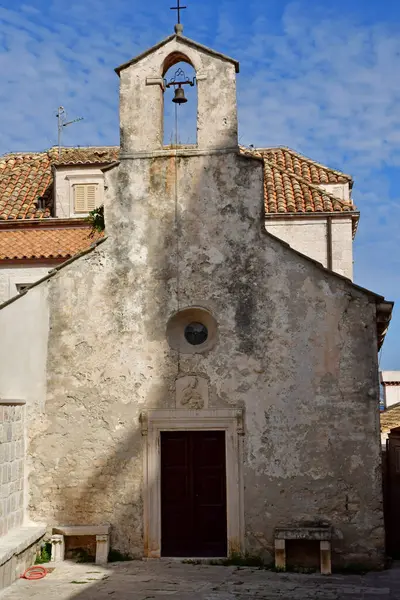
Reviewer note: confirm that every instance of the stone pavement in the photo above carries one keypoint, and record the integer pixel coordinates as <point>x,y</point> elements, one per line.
<point>141,580</point>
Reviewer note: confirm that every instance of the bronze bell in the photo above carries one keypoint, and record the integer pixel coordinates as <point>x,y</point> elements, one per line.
<point>179,97</point>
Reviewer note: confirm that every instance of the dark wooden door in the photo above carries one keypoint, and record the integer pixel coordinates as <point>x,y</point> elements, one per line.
<point>392,494</point>
<point>193,494</point>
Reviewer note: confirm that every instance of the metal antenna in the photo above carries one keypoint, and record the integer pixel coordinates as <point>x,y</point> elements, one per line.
<point>62,122</point>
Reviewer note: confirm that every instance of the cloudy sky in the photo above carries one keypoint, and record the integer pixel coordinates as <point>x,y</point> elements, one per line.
<point>320,76</point>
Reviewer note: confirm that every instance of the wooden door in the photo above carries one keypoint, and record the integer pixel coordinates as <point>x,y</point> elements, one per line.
<point>392,494</point>
<point>193,494</point>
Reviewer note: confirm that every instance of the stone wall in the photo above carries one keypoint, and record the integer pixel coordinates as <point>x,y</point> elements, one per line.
<point>296,350</point>
<point>217,125</point>
<point>11,466</point>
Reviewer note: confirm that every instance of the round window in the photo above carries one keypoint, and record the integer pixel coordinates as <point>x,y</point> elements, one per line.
<point>196,333</point>
<point>192,330</point>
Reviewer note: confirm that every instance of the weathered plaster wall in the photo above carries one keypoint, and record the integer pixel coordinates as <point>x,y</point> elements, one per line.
<point>24,326</point>
<point>305,235</point>
<point>296,349</point>
<point>309,236</point>
<point>10,277</point>
<point>141,105</point>
<point>391,387</point>
<point>342,247</point>
<point>340,190</point>
<point>11,466</point>
<point>64,180</point>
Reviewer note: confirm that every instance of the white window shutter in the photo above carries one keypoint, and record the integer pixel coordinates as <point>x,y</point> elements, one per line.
<point>91,197</point>
<point>79,198</point>
<point>85,197</point>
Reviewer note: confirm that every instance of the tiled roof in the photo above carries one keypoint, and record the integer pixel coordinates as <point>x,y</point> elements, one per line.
<point>291,180</point>
<point>44,242</point>
<point>27,177</point>
<point>390,418</point>
<point>306,168</point>
<point>291,183</point>
<point>286,192</point>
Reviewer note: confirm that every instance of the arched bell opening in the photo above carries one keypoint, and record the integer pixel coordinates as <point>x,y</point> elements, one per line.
<point>180,101</point>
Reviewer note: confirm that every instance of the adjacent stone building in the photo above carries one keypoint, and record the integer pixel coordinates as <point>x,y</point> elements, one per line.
<point>191,379</point>
<point>45,198</point>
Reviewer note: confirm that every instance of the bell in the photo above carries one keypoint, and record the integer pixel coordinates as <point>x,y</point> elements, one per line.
<point>179,97</point>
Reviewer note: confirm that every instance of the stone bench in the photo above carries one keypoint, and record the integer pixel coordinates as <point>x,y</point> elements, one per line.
<point>101,532</point>
<point>18,551</point>
<point>323,535</point>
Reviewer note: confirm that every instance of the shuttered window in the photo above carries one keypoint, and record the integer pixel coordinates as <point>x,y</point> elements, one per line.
<point>85,197</point>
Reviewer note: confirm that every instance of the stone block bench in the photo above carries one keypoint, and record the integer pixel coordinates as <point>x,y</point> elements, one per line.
<point>18,551</point>
<point>323,535</point>
<point>101,532</point>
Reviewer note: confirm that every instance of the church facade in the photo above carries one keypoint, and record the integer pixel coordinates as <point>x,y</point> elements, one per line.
<point>191,379</point>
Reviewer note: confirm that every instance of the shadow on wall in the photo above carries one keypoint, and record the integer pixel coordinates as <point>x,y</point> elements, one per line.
<point>178,236</point>
<point>174,277</point>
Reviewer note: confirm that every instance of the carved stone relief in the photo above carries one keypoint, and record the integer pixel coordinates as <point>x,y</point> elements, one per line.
<point>192,392</point>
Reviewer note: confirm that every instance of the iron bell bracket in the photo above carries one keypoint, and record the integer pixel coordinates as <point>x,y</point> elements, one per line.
<point>180,79</point>
<point>190,82</point>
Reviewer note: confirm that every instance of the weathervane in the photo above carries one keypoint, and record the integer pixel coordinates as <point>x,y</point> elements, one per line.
<point>178,26</point>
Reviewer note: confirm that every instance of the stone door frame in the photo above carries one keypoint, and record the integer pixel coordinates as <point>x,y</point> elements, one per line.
<point>153,422</point>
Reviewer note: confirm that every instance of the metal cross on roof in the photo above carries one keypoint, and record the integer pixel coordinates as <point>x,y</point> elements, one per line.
<point>178,8</point>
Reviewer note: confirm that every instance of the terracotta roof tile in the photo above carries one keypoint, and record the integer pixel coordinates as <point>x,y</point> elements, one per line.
<point>286,192</point>
<point>291,180</point>
<point>313,172</point>
<point>26,177</point>
<point>292,183</point>
<point>42,243</point>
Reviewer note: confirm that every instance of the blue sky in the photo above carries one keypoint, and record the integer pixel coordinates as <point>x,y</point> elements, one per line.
<point>322,77</point>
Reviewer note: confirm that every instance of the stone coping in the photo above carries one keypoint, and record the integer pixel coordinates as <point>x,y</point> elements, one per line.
<point>304,533</point>
<point>19,539</point>
<point>12,402</point>
<point>82,529</point>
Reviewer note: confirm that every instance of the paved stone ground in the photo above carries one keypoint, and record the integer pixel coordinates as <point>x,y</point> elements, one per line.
<point>175,581</point>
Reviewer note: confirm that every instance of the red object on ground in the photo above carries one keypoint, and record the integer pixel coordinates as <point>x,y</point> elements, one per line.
<point>34,573</point>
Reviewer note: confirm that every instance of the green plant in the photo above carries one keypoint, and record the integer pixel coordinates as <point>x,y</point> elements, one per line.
<point>96,219</point>
<point>45,554</point>
<point>117,556</point>
<point>275,569</point>
<point>90,572</point>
